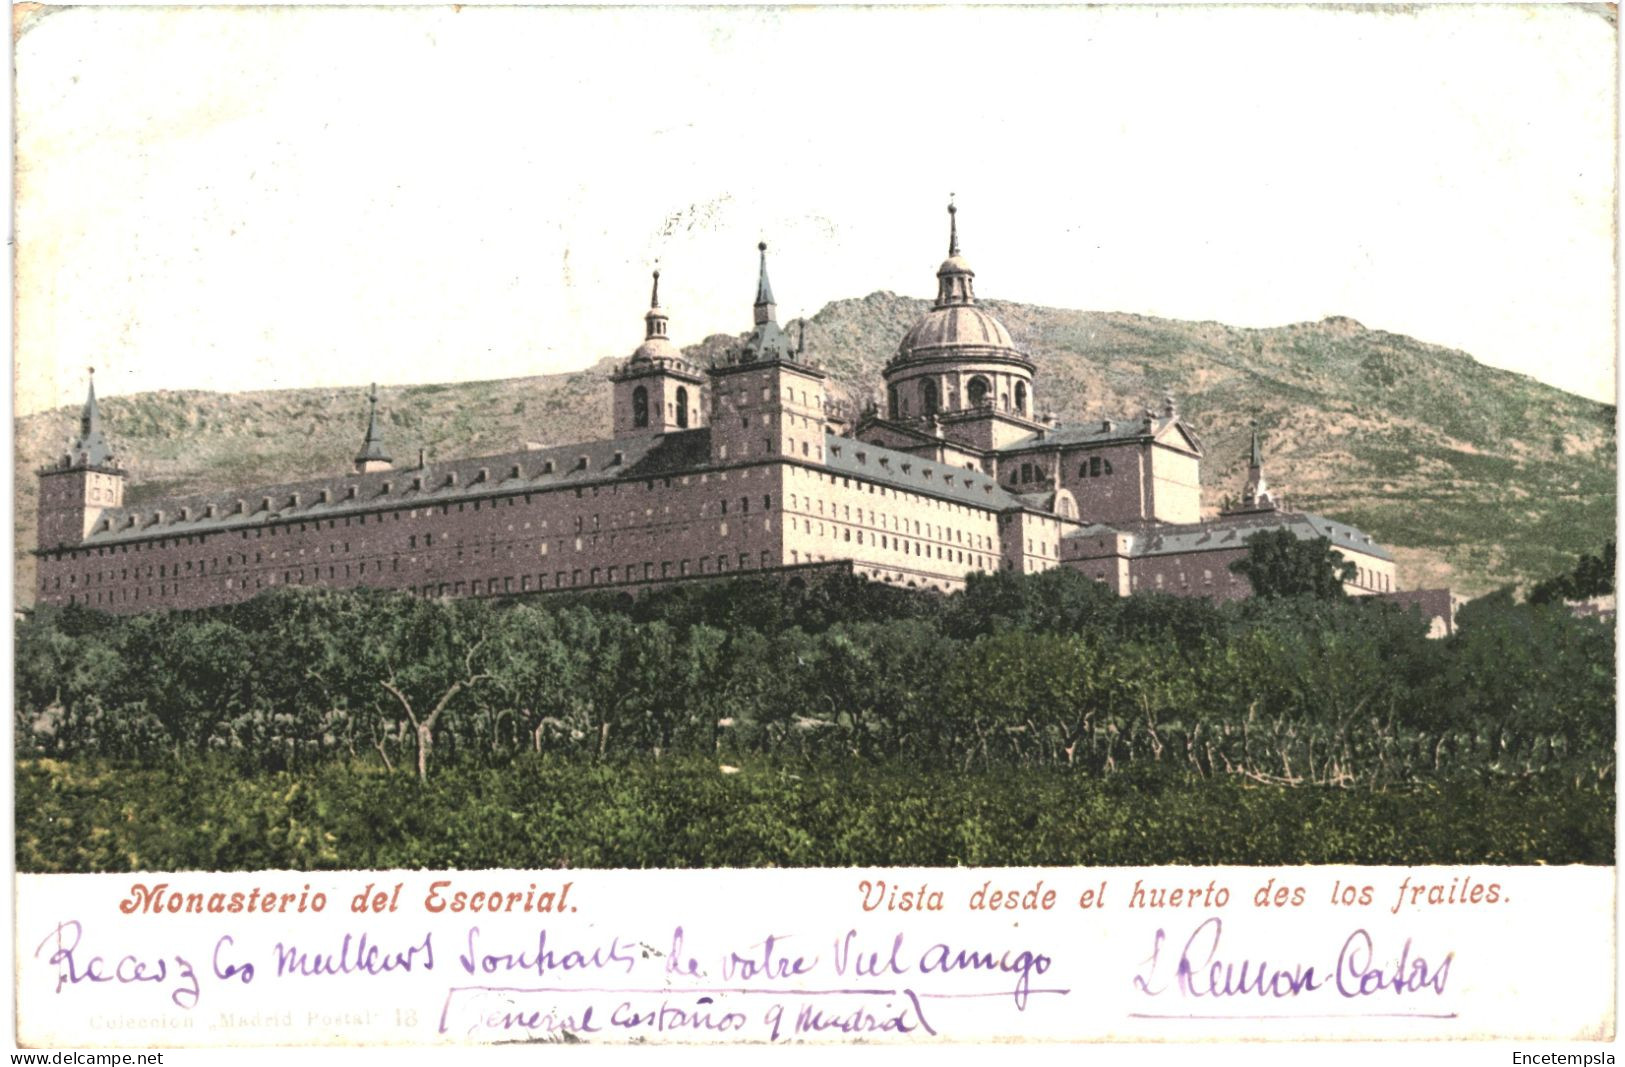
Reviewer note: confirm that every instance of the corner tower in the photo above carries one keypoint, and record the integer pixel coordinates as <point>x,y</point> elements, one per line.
<point>765,399</point>
<point>958,366</point>
<point>656,391</point>
<point>85,481</point>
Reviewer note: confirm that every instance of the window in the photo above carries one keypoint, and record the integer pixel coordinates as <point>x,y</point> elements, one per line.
<point>682,407</point>
<point>640,407</point>
<point>1021,398</point>
<point>928,397</point>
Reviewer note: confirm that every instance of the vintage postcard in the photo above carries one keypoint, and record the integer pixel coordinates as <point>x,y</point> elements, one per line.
<point>779,526</point>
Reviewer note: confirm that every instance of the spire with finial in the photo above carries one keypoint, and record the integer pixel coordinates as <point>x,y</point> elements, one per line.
<point>766,310</point>
<point>90,418</point>
<point>654,321</point>
<point>372,456</point>
<point>766,341</point>
<point>90,449</point>
<point>1257,494</point>
<point>954,276</point>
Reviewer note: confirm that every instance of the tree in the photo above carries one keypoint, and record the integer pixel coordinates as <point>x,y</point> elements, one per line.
<point>427,655</point>
<point>1280,563</point>
<point>1592,576</point>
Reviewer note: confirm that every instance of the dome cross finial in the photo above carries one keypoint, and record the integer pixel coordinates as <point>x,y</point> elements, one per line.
<point>654,294</point>
<point>953,227</point>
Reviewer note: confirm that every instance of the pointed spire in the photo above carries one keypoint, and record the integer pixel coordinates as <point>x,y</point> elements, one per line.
<point>953,228</point>
<point>90,449</point>
<point>765,307</point>
<point>372,455</point>
<point>766,341</point>
<point>90,417</point>
<point>1257,495</point>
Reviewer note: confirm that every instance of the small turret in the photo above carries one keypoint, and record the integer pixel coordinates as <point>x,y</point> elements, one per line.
<point>954,277</point>
<point>1257,496</point>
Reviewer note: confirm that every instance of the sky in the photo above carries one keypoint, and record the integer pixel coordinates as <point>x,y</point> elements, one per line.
<point>258,198</point>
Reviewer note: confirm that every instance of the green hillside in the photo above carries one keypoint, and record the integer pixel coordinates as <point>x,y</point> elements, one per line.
<point>1474,477</point>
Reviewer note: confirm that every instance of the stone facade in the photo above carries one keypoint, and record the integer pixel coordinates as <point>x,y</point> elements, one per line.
<point>743,466</point>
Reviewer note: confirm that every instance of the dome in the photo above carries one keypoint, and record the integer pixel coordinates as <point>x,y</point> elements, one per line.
<point>954,327</point>
<point>656,348</point>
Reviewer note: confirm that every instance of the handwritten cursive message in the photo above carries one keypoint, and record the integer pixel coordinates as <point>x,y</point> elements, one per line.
<point>781,956</point>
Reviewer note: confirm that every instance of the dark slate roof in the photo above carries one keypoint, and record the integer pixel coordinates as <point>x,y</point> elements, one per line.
<point>594,462</point>
<point>1090,433</point>
<point>588,463</point>
<point>905,471</point>
<point>1232,531</point>
<point>1089,529</point>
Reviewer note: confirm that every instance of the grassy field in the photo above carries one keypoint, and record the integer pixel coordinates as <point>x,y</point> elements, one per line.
<point>540,813</point>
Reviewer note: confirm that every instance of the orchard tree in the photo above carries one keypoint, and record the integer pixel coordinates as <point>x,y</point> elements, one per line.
<point>1279,563</point>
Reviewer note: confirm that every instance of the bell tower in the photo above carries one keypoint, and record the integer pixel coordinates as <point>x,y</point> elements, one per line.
<point>657,391</point>
<point>85,481</point>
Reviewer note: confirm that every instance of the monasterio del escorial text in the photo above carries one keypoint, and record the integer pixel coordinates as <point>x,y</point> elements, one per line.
<point>741,466</point>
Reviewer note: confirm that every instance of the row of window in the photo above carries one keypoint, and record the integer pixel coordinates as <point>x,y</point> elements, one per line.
<point>1093,467</point>
<point>978,394</point>
<point>289,528</point>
